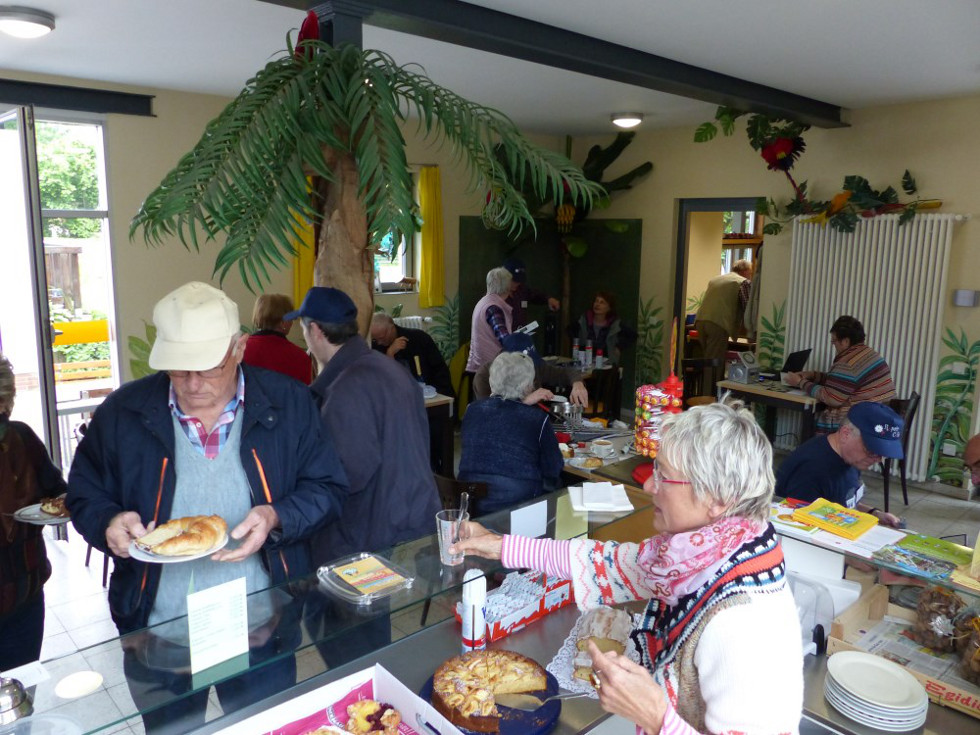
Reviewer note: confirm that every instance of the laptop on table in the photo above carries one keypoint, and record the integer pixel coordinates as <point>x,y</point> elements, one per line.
<point>796,361</point>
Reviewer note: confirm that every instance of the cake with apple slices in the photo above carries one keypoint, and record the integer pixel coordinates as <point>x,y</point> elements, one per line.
<point>463,688</point>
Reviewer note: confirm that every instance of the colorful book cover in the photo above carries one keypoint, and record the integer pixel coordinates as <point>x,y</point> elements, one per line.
<point>781,515</point>
<point>835,518</point>
<point>913,562</point>
<point>936,548</point>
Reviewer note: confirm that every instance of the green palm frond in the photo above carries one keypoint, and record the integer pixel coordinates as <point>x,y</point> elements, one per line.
<point>952,406</point>
<point>445,330</point>
<point>247,176</point>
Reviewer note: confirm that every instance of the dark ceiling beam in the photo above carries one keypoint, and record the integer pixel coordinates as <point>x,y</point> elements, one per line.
<point>500,33</point>
<point>82,99</point>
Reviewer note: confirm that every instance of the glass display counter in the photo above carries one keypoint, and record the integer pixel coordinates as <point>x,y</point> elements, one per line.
<point>305,624</point>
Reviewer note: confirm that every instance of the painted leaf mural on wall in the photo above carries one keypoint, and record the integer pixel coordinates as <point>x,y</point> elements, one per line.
<point>649,344</point>
<point>953,407</point>
<point>772,339</point>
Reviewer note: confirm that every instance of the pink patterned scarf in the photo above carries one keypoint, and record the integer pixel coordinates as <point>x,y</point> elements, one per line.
<point>676,564</point>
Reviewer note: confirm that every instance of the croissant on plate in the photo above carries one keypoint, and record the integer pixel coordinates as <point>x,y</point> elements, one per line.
<point>185,536</point>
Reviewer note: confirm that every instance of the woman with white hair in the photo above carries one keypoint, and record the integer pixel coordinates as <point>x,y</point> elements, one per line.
<point>719,641</point>
<point>506,443</point>
<point>26,476</point>
<point>491,320</point>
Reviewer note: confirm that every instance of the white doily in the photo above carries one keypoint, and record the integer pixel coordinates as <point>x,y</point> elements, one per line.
<point>561,665</point>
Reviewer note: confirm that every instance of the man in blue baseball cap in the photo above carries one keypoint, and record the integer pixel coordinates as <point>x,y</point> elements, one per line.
<point>374,413</point>
<point>521,294</point>
<point>829,466</point>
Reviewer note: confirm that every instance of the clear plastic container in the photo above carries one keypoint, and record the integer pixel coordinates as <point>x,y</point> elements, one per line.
<point>364,578</point>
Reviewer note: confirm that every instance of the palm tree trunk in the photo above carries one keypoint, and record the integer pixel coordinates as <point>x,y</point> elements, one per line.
<point>344,259</point>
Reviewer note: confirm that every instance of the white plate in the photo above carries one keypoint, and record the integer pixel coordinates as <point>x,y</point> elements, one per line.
<point>833,689</point>
<point>876,680</point>
<point>880,723</point>
<point>580,463</point>
<point>137,553</point>
<point>34,515</point>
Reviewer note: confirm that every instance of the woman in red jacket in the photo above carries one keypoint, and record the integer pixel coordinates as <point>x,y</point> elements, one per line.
<point>268,347</point>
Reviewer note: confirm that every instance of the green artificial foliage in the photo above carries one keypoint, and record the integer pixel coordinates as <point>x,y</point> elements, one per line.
<point>139,363</point>
<point>445,330</point>
<point>953,407</point>
<point>247,176</point>
<point>649,345</point>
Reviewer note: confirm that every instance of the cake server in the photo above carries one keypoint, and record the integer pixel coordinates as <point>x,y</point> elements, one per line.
<point>530,702</point>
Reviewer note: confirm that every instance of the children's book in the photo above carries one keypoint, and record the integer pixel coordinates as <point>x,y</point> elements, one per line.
<point>914,562</point>
<point>781,515</point>
<point>937,548</point>
<point>835,518</point>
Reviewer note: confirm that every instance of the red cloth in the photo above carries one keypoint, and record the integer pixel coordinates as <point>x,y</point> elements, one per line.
<point>272,351</point>
<point>641,473</point>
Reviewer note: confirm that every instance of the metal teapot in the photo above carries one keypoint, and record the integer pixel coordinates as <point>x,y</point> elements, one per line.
<point>14,702</point>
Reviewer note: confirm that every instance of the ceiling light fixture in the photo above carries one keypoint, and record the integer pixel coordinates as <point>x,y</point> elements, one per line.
<point>23,22</point>
<point>627,119</point>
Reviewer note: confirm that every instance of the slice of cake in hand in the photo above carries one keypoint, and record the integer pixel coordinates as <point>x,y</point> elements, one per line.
<point>608,628</point>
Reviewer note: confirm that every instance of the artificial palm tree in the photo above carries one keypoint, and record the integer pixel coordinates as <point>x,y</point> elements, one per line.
<point>335,113</point>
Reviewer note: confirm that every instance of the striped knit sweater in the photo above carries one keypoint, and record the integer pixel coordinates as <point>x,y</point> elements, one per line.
<point>858,374</point>
<point>728,656</point>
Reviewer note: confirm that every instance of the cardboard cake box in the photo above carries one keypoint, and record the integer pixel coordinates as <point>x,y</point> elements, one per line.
<point>873,606</point>
<point>549,595</point>
<point>327,705</point>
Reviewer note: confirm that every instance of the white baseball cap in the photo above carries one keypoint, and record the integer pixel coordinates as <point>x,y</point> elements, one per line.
<point>195,324</point>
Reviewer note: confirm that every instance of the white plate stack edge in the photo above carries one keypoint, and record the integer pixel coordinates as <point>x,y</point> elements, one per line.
<point>875,692</point>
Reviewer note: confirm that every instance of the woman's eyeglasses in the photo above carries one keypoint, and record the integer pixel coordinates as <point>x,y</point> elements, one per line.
<point>661,480</point>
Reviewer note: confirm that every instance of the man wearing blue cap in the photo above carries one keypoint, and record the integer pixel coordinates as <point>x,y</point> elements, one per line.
<point>375,414</point>
<point>521,294</point>
<point>546,377</point>
<point>829,466</point>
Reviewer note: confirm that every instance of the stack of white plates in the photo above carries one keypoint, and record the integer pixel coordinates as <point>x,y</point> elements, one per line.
<point>875,692</point>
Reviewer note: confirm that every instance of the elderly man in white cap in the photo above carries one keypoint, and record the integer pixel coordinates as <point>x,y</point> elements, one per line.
<point>204,436</point>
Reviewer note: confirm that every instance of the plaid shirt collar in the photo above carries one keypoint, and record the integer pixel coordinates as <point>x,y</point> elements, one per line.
<point>210,444</point>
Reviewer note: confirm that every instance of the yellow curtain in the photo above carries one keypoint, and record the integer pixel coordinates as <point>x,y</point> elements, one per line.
<point>432,276</point>
<point>303,263</point>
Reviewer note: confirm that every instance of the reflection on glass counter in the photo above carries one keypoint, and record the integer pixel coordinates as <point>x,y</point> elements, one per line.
<point>297,630</point>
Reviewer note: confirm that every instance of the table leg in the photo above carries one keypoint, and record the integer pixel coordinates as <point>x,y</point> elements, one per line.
<point>771,423</point>
<point>809,425</point>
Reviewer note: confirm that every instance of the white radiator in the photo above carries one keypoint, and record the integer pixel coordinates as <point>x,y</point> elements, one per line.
<point>412,322</point>
<point>893,279</point>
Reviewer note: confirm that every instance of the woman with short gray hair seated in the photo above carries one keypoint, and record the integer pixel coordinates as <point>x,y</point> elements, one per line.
<point>507,444</point>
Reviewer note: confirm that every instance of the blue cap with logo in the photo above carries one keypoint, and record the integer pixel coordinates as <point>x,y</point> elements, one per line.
<point>880,427</point>
<point>520,342</point>
<point>327,305</point>
<point>517,269</point>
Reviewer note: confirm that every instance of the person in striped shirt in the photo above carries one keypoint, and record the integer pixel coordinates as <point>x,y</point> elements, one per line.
<point>858,374</point>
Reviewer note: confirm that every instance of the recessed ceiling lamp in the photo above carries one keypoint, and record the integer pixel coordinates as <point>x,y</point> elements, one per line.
<point>627,119</point>
<point>23,22</point>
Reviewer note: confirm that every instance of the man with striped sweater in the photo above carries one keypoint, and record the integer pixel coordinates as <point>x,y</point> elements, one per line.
<point>858,374</point>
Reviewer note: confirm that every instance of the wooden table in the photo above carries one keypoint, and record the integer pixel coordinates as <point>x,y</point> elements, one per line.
<point>773,394</point>
<point>440,408</point>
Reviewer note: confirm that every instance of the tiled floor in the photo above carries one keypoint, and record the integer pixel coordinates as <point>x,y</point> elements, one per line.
<point>78,615</point>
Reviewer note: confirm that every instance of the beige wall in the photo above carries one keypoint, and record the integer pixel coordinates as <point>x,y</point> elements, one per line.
<point>704,252</point>
<point>935,140</point>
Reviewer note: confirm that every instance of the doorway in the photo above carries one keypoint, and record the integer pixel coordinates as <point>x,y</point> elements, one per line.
<point>55,290</point>
<point>712,234</point>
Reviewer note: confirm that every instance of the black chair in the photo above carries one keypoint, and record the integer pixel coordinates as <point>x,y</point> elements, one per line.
<point>450,491</point>
<point>698,375</point>
<point>906,408</point>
